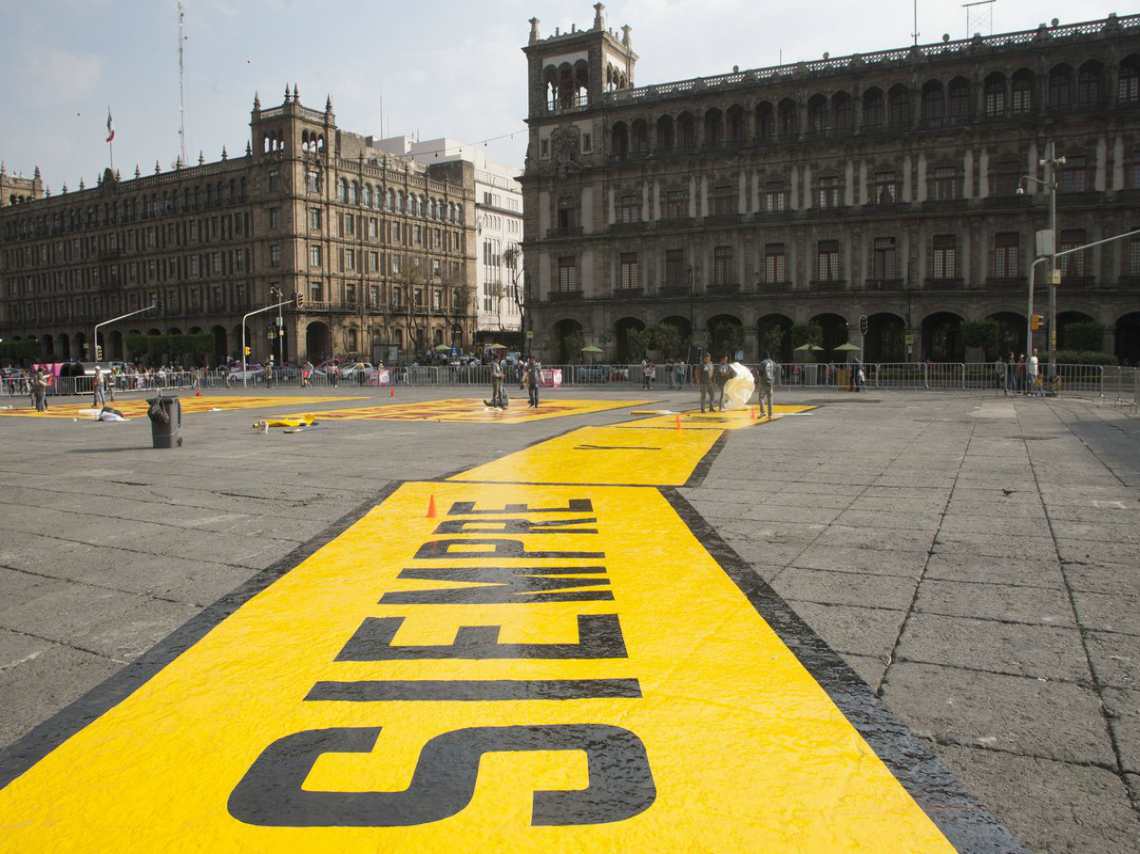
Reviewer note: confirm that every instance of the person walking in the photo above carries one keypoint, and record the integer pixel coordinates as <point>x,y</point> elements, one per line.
<point>533,380</point>
<point>767,379</point>
<point>39,390</point>
<point>670,374</point>
<point>705,374</point>
<point>1031,369</point>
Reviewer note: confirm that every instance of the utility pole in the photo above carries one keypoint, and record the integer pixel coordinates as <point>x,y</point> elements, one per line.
<point>1050,163</point>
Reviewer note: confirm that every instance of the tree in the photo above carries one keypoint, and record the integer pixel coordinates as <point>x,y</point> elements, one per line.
<point>981,334</point>
<point>1087,336</point>
<point>772,340</point>
<point>807,333</point>
<point>512,258</point>
<point>667,340</point>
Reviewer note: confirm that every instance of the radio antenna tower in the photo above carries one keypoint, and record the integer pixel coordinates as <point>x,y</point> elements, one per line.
<point>181,94</point>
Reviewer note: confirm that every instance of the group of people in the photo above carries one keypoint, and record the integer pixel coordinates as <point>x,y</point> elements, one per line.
<point>713,377</point>
<point>531,380</point>
<point>1019,375</point>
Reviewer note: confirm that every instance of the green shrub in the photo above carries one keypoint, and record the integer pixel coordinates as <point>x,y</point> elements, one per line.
<point>1085,357</point>
<point>1087,336</point>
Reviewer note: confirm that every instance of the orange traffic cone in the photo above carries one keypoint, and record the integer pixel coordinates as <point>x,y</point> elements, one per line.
<point>677,423</point>
<point>753,413</point>
<point>391,391</point>
<point>197,392</point>
<point>431,508</point>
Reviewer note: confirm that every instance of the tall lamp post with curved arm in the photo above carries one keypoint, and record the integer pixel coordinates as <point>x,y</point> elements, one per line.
<point>1050,162</point>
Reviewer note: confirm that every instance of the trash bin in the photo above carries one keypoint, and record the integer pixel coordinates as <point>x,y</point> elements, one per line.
<point>165,414</point>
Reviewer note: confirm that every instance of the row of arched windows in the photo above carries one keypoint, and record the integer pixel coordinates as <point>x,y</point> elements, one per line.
<point>312,142</point>
<point>397,201</point>
<point>938,104</point>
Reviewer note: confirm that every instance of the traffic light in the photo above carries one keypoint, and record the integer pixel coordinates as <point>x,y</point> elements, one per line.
<point>98,352</point>
<point>299,297</point>
<point>1035,322</point>
<point>248,350</point>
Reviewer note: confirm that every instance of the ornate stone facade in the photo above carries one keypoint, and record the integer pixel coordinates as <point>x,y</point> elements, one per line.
<point>881,185</point>
<point>381,247</point>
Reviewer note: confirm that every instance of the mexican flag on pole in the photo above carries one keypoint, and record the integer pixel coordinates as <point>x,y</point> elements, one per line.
<point>110,130</point>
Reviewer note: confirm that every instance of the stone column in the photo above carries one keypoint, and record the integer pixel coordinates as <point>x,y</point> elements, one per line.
<point>920,193</point>
<point>984,174</point>
<point>704,195</point>
<point>1031,169</point>
<point>807,200</point>
<point>1101,163</point>
<point>906,182</point>
<point>755,190</point>
<point>849,184</point>
<point>862,198</point>
<point>1118,163</point>
<point>794,194</point>
<point>656,200</point>
<point>692,197</point>
<point>968,175</point>
<point>645,213</point>
<point>742,197</point>
<point>612,207</point>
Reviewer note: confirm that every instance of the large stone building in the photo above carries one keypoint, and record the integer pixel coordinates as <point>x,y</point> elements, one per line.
<point>498,229</point>
<point>381,247</point>
<point>882,185</point>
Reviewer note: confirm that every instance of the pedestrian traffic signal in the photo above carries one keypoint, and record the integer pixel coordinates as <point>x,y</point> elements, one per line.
<point>98,352</point>
<point>1035,322</point>
<point>248,350</point>
<point>299,298</point>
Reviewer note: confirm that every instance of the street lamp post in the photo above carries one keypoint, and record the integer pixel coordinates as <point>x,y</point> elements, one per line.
<point>1050,162</point>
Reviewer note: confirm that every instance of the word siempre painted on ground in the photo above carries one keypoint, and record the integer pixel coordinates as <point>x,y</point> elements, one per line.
<point>539,668</point>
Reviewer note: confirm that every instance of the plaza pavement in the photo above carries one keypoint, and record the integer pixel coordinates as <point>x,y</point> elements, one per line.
<point>973,558</point>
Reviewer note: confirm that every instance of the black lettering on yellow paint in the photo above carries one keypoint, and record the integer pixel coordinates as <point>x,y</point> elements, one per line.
<point>599,636</point>
<point>375,691</point>
<point>517,585</point>
<point>500,548</point>
<point>515,526</point>
<point>271,793</point>
<point>467,508</point>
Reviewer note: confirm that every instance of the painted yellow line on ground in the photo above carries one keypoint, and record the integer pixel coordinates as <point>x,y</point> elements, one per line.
<point>603,455</point>
<point>468,410</point>
<point>136,408</point>
<point>619,693</point>
<point>732,419</point>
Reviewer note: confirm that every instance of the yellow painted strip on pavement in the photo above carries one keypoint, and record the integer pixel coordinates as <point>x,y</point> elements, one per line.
<point>603,455</point>
<point>136,408</point>
<point>688,724</point>
<point>473,410</point>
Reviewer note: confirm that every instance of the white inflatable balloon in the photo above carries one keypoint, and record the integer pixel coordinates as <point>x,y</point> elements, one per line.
<point>739,387</point>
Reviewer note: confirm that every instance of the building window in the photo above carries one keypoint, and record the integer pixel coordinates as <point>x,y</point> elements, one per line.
<point>1072,265</point>
<point>1134,256</point>
<point>418,297</point>
<point>1088,85</point>
<point>274,254</point>
<point>886,188</point>
<point>629,272</point>
<point>1006,255</point>
<point>314,256</point>
<point>722,266</point>
<point>373,262</point>
<point>676,204</point>
<point>1074,174</point>
<point>315,218</point>
<point>350,259</point>
<point>350,294</point>
<point>1061,87</point>
<point>827,261</point>
<point>629,209</point>
<point>373,230</point>
<point>1022,101</point>
<point>275,217</point>
<point>312,181</point>
<point>567,214</point>
<point>775,263</point>
<point>567,273</point>
<point>959,100</point>
<point>827,192</point>
<point>775,199</point>
<point>675,268</point>
<point>724,200</point>
<point>944,184</point>
<point>397,296</point>
<point>1128,85</point>
<point>944,257</point>
<point>350,225</point>
<point>316,292</point>
<point>544,148</point>
<point>274,181</point>
<point>885,259</point>
<point>587,143</point>
<point>1005,178</point>
<point>995,96</point>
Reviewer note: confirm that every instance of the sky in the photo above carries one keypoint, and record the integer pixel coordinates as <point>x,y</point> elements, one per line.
<point>440,68</point>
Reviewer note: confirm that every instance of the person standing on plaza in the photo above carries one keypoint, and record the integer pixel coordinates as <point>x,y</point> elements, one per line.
<point>767,379</point>
<point>99,396</point>
<point>1031,369</point>
<point>533,380</point>
<point>669,373</point>
<point>496,382</point>
<point>705,374</point>
<point>723,375</point>
<point>39,390</point>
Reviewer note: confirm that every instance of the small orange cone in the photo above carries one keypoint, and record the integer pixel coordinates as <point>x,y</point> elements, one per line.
<point>197,392</point>
<point>391,391</point>
<point>753,413</point>
<point>431,508</point>
<point>677,423</point>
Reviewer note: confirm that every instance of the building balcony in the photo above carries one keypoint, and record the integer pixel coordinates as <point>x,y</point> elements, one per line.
<point>775,287</point>
<point>628,293</point>
<point>722,290</point>
<point>564,231</point>
<point>945,204</point>
<point>628,227</point>
<point>722,219</point>
<point>673,291</point>
<point>893,284</point>
<point>1005,281</point>
<point>931,284</point>
<point>565,296</point>
<point>1073,282</point>
<point>828,284</point>
<point>1084,198</point>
